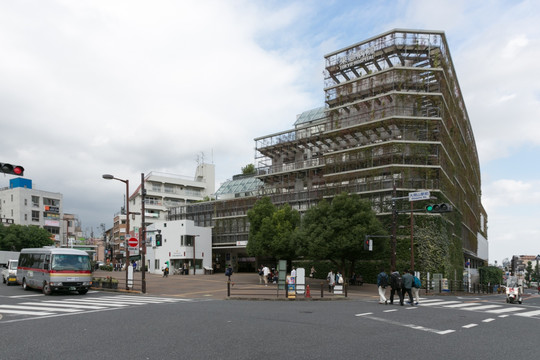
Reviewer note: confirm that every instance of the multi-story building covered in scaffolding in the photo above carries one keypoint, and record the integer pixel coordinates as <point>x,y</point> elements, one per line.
<point>394,122</point>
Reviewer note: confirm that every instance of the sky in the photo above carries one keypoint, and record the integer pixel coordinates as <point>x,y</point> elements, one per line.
<point>127,87</point>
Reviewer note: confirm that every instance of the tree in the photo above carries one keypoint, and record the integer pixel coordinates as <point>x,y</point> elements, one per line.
<point>17,237</point>
<point>529,272</point>
<point>490,275</point>
<point>249,169</point>
<point>272,231</point>
<point>336,230</point>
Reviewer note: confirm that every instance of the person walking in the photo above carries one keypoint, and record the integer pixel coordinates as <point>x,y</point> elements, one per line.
<point>312,272</point>
<point>408,281</point>
<point>331,281</point>
<point>229,272</point>
<point>395,285</point>
<point>416,289</point>
<point>261,273</point>
<point>382,283</point>
<point>266,272</point>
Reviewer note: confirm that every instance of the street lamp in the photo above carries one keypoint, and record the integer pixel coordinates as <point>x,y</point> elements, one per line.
<point>111,177</point>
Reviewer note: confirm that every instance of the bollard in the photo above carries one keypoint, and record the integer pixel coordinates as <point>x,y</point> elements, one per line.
<point>322,290</point>
<point>346,287</point>
<point>229,288</point>
<point>308,294</point>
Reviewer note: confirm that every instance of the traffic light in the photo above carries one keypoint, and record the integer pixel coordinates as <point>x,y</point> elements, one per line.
<point>368,245</point>
<point>438,208</point>
<point>11,169</point>
<point>158,239</point>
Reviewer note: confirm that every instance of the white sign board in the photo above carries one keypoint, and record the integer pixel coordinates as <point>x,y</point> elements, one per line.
<point>300,280</point>
<point>420,195</point>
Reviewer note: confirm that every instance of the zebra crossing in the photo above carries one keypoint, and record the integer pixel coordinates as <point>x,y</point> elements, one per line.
<point>64,306</point>
<point>481,306</point>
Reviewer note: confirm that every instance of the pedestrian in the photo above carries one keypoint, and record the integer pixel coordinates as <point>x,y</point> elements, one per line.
<point>408,281</point>
<point>166,271</point>
<point>416,289</point>
<point>293,273</point>
<point>339,278</point>
<point>261,274</point>
<point>382,283</point>
<point>312,272</point>
<point>134,266</point>
<point>266,273</point>
<point>229,272</point>
<point>395,284</point>
<point>331,280</point>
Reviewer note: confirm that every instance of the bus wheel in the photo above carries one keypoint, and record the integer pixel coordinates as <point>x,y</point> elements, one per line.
<point>83,291</point>
<point>25,285</point>
<point>46,289</point>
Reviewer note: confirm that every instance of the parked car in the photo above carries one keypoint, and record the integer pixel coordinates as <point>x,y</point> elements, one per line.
<point>9,274</point>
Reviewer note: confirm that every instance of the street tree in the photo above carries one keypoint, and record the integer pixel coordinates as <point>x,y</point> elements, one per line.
<point>249,169</point>
<point>16,237</point>
<point>336,230</point>
<point>272,231</point>
<point>529,272</point>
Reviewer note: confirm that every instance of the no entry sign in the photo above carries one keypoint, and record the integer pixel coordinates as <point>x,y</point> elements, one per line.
<point>133,242</point>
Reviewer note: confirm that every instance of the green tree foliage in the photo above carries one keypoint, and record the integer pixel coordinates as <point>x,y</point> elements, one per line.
<point>336,230</point>
<point>490,275</point>
<point>272,231</point>
<point>529,272</point>
<point>17,237</point>
<point>249,169</point>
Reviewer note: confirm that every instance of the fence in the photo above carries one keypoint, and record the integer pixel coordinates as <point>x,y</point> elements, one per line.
<point>455,286</point>
<point>302,291</point>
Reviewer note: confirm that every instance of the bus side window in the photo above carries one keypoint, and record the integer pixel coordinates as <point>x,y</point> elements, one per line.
<point>47,262</point>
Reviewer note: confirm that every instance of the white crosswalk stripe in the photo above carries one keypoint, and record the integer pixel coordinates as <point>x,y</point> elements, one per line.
<point>502,310</point>
<point>80,305</point>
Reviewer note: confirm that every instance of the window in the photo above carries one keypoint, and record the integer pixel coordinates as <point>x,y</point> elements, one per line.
<point>156,264</point>
<point>35,201</point>
<point>25,202</point>
<point>25,217</point>
<point>35,215</point>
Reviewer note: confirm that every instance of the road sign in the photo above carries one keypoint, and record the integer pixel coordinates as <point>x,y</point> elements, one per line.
<point>420,195</point>
<point>133,242</point>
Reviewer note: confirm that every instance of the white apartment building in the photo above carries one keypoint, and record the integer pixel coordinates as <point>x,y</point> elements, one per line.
<point>165,191</point>
<point>23,205</point>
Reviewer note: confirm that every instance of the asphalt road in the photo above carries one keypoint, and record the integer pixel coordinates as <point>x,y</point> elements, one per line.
<point>122,326</point>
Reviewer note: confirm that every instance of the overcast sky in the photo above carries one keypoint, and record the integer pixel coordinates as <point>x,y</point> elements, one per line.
<point>129,87</point>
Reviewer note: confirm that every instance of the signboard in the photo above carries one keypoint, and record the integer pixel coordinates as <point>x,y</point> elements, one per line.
<point>291,287</point>
<point>300,280</point>
<point>420,195</point>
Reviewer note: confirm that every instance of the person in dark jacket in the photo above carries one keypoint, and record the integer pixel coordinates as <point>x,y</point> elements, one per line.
<point>395,287</point>
<point>408,281</point>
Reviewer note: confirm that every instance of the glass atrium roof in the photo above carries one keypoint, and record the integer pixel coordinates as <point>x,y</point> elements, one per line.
<point>310,116</point>
<point>241,185</point>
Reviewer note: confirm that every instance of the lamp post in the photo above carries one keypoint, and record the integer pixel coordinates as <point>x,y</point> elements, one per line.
<point>111,177</point>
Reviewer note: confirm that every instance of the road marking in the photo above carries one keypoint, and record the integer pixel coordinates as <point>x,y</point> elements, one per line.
<point>504,310</point>
<point>26,307</point>
<point>441,303</point>
<point>89,302</point>
<point>529,313</point>
<point>21,296</point>
<point>410,326</point>
<point>488,320</point>
<point>469,326</point>
<point>482,307</point>
<point>24,312</point>
<point>76,306</point>
<point>462,305</point>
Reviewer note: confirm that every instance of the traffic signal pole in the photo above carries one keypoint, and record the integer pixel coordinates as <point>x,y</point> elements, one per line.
<point>143,236</point>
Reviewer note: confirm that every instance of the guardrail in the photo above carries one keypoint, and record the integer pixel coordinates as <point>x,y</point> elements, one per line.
<point>281,290</point>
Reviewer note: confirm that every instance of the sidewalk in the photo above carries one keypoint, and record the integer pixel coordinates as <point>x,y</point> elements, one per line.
<point>215,286</point>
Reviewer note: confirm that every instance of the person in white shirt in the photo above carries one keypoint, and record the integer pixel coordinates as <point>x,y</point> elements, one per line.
<point>266,271</point>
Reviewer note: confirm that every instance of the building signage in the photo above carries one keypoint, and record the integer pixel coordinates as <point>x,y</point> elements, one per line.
<point>54,209</point>
<point>241,243</point>
<point>55,223</point>
<point>420,195</point>
<point>356,57</point>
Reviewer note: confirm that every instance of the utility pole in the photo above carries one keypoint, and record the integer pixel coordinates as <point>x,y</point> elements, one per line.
<point>393,238</point>
<point>143,236</point>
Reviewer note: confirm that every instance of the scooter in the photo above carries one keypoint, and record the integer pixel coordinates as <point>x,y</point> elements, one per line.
<point>513,294</point>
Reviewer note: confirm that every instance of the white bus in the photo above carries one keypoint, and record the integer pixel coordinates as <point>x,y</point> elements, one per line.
<point>54,269</point>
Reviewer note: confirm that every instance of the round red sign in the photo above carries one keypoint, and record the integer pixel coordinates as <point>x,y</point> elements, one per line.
<point>133,242</point>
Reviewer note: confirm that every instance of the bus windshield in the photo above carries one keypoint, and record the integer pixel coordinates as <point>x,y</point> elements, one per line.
<point>70,262</point>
